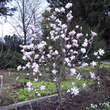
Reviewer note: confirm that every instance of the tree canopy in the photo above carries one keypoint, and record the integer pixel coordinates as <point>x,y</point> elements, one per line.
<point>4,10</point>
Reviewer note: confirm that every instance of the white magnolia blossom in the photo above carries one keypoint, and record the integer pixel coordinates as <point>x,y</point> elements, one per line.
<point>74,91</point>
<point>79,76</point>
<point>84,85</point>
<point>41,45</point>
<point>69,16</point>
<point>72,57</point>
<point>62,9</point>
<point>79,35</point>
<point>92,75</point>
<point>67,60</point>
<point>35,79</point>
<point>68,46</point>
<point>93,63</point>
<point>64,26</point>
<point>77,26</point>
<point>83,50</point>
<point>72,33</point>
<point>48,9</point>
<point>85,44</point>
<point>57,9</point>
<point>49,56</point>
<point>95,53</point>
<point>29,84</point>
<point>84,64</point>
<point>93,33</point>
<point>56,52</point>
<point>73,71</point>
<point>52,17</point>
<point>101,52</point>
<point>19,68</point>
<point>68,5</point>
<point>54,71</point>
<point>36,56</point>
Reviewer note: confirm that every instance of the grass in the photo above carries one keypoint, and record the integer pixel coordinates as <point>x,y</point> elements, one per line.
<point>23,94</point>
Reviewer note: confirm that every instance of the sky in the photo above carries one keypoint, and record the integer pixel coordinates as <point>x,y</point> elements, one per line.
<point>6,24</point>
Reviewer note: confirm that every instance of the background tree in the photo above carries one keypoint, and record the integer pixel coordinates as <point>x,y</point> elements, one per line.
<point>27,15</point>
<point>4,10</point>
<point>92,14</point>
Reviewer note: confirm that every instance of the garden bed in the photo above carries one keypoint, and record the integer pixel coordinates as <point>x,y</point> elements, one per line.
<point>93,94</point>
<point>79,102</point>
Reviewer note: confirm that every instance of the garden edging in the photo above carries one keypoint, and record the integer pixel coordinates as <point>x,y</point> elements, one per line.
<point>24,103</point>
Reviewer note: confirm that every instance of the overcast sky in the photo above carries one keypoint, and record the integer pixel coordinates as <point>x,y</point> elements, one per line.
<point>6,27</point>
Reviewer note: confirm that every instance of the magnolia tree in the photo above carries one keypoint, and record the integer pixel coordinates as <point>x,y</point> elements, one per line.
<point>60,52</point>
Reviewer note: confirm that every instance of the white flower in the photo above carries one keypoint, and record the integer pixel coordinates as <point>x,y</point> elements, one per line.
<point>101,52</point>
<point>84,64</point>
<point>42,87</point>
<point>77,26</point>
<point>72,71</point>
<point>79,76</point>
<point>57,10</point>
<point>53,17</point>
<point>79,35</point>
<point>35,79</point>
<point>72,57</point>
<point>54,71</point>
<point>68,5</point>
<point>19,68</point>
<point>85,44</point>
<point>48,55</point>
<point>83,50</point>
<point>48,9</point>
<point>93,33</point>
<point>95,53</point>
<point>28,65</point>
<point>84,85</point>
<point>67,60</point>
<point>24,58</point>
<point>55,79</point>
<point>63,35</point>
<point>74,91</point>
<point>35,67</point>
<point>69,17</point>
<point>68,46</point>
<point>56,52</point>
<point>29,84</point>
<point>38,94</point>
<point>62,9</point>
<point>36,56</point>
<point>64,26</point>
<point>75,41</point>
<point>92,75</point>
<point>40,74</point>
<point>68,91</point>
<point>40,33</point>
<point>93,63</point>
<point>72,33</point>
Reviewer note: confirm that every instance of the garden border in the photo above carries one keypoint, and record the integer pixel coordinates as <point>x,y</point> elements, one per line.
<point>24,103</point>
